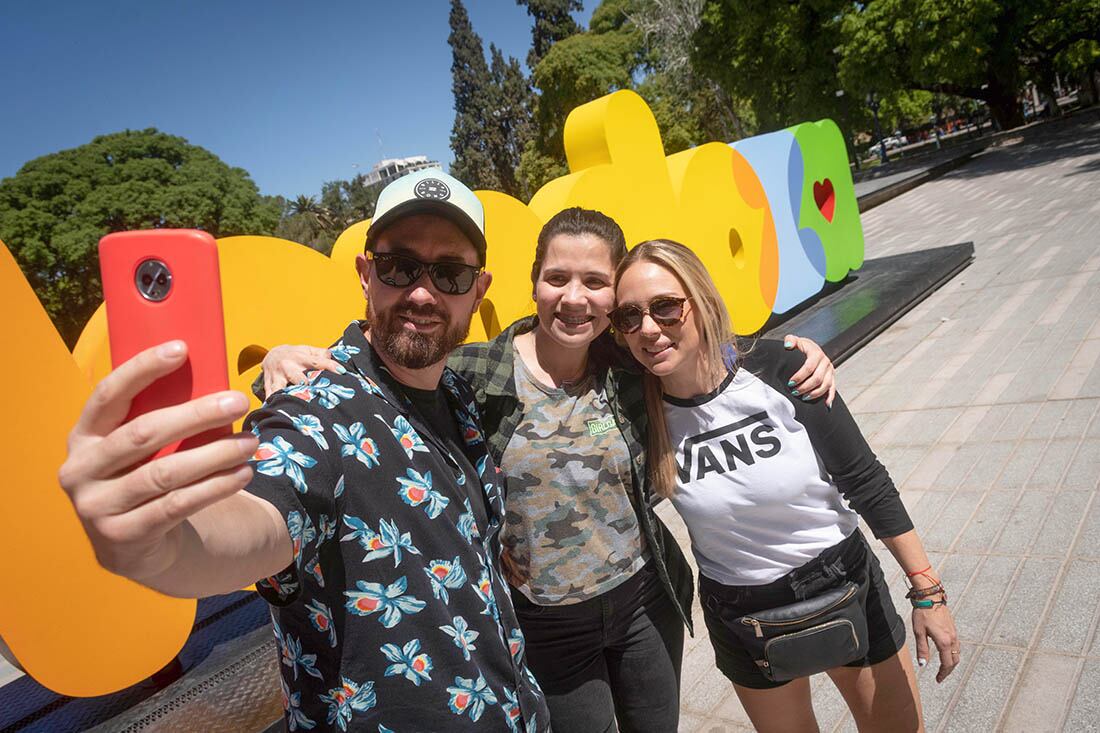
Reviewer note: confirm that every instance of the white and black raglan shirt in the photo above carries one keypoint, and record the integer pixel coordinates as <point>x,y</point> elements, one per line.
<point>766,482</point>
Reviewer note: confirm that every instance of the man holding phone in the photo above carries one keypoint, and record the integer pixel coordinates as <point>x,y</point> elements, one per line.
<point>371,506</point>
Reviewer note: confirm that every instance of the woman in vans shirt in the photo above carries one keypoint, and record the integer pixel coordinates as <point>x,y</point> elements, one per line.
<point>601,589</point>
<point>760,478</point>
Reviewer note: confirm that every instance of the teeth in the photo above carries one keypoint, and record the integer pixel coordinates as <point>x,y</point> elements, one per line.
<point>574,321</point>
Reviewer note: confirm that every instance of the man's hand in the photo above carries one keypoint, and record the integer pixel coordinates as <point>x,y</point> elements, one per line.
<point>817,377</point>
<point>132,511</point>
<point>285,365</point>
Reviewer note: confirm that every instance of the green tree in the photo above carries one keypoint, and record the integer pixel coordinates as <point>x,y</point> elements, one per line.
<point>777,56</point>
<point>576,70</point>
<point>492,111</point>
<point>55,209</point>
<point>981,49</point>
<point>553,21</point>
<point>509,121</point>
<point>318,222</point>
<point>470,83</point>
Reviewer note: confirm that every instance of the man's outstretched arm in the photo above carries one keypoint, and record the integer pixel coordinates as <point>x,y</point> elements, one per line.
<point>178,524</point>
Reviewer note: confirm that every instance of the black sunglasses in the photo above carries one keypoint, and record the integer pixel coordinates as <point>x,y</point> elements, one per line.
<point>401,271</point>
<point>665,310</point>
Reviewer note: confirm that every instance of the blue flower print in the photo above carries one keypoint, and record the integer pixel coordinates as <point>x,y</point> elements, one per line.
<point>327,394</point>
<point>295,718</point>
<point>391,601</point>
<point>467,526</point>
<point>515,644</point>
<point>356,443</point>
<point>471,432</point>
<point>294,657</point>
<point>326,529</point>
<point>406,435</point>
<point>350,697</point>
<point>369,386</point>
<point>321,618</point>
<point>301,532</point>
<point>343,352</point>
<point>315,571</point>
<point>310,426</point>
<point>388,540</point>
<point>445,574</point>
<point>484,590</point>
<point>417,489</point>
<point>462,635</point>
<point>510,706</point>
<point>408,661</point>
<point>339,490</point>
<point>279,457</point>
<point>470,697</point>
<point>383,729</point>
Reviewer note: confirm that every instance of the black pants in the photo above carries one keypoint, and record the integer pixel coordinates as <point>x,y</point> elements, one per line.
<point>615,656</point>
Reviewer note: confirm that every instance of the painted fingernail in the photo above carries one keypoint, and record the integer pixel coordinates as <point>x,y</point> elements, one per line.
<point>170,350</point>
<point>828,408</point>
<point>788,344</point>
<point>921,662</point>
<point>795,392</point>
<point>341,370</point>
<point>232,403</point>
<point>790,382</point>
<point>805,398</point>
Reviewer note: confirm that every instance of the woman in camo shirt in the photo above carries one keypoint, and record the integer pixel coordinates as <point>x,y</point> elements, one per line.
<point>601,589</point>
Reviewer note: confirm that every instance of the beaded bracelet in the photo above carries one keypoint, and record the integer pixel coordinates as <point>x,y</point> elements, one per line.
<point>927,603</point>
<point>926,592</point>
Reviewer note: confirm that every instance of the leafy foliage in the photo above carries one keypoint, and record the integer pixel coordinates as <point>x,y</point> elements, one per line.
<point>55,209</point>
<point>553,22</point>
<point>473,163</point>
<point>318,222</point>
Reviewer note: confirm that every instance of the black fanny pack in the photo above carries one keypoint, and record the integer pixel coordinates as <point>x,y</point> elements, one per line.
<point>803,638</point>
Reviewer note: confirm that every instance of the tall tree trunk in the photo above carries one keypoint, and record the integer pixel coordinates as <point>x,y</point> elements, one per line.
<point>1004,105</point>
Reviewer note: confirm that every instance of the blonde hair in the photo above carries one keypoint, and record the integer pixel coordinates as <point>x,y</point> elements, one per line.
<point>720,347</point>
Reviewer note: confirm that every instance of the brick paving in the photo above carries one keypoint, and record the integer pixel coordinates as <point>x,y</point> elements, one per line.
<point>984,403</point>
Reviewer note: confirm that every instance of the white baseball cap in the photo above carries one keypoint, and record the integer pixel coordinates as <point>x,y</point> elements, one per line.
<point>430,191</point>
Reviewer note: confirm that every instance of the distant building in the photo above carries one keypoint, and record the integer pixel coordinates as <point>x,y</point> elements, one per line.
<point>393,168</point>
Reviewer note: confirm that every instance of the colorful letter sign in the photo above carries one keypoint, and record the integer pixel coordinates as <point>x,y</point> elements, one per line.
<point>773,217</point>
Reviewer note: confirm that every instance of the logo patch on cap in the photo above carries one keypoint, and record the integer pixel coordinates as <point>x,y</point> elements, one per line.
<point>432,188</point>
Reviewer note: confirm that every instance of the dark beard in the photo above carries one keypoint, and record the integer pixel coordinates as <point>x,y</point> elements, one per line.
<point>410,349</point>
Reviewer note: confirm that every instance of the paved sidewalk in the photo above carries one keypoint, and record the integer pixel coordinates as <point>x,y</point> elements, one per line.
<point>983,403</point>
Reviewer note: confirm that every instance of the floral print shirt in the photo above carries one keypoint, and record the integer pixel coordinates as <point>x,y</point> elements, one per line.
<point>394,615</point>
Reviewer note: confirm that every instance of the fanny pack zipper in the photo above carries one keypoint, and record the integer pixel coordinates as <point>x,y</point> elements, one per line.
<point>838,622</point>
<point>757,623</point>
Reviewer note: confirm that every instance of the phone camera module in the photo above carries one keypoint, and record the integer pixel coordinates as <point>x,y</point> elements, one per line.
<point>153,280</point>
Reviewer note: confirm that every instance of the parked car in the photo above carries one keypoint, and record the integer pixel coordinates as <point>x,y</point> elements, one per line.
<point>896,140</point>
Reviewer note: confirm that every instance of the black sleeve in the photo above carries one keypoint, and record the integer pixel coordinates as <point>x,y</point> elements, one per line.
<point>862,480</point>
<point>297,469</point>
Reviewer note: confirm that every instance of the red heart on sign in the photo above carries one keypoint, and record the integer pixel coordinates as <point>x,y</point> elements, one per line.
<point>825,198</point>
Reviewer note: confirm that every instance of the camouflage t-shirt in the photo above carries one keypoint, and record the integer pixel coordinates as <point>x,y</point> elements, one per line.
<point>570,532</point>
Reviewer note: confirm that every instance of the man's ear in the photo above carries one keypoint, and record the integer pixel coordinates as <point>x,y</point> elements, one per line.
<point>363,266</point>
<point>484,280</point>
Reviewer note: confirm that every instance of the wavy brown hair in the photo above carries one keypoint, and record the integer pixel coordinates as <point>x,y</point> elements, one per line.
<point>720,347</point>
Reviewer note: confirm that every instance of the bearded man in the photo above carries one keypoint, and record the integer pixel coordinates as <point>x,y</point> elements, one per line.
<point>371,508</point>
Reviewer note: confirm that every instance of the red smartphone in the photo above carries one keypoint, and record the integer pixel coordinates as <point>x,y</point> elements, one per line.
<point>160,285</point>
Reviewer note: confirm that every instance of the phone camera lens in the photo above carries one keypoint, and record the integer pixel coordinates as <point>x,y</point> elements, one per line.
<point>153,280</point>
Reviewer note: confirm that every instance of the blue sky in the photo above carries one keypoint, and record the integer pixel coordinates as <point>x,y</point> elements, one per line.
<point>294,93</point>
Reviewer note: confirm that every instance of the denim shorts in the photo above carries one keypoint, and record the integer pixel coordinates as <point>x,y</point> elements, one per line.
<point>851,559</point>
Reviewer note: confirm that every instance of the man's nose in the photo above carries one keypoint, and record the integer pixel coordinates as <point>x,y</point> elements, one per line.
<point>423,291</point>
